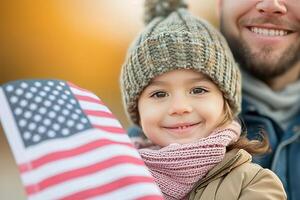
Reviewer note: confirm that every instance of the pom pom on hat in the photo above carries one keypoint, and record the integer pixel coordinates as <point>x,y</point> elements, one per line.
<point>161,8</point>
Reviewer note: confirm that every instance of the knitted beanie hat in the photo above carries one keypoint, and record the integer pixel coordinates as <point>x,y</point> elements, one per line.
<point>175,39</point>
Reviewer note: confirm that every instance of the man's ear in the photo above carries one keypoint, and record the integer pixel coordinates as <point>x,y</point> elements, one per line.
<point>219,5</point>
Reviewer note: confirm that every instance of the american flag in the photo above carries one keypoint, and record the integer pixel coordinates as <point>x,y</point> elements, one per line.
<point>68,145</point>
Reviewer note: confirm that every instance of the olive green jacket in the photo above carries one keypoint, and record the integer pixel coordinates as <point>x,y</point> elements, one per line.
<point>237,178</point>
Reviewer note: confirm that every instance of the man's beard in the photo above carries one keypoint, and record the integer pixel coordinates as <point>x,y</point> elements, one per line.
<point>263,65</point>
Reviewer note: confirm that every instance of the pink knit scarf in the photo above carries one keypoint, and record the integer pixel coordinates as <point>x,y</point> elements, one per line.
<point>177,167</point>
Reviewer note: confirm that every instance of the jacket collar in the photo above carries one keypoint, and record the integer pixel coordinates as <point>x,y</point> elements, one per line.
<point>232,159</point>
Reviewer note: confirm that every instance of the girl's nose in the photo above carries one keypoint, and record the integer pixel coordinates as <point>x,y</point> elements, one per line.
<point>272,7</point>
<point>179,106</point>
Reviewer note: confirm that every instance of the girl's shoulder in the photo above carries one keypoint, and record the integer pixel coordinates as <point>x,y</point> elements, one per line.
<point>238,178</point>
<point>250,179</point>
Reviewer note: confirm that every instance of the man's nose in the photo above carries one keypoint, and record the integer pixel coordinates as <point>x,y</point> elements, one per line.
<point>272,7</point>
<point>180,105</point>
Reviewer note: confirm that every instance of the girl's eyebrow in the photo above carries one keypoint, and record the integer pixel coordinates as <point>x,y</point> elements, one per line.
<point>199,79</point>
<point>157,83</point>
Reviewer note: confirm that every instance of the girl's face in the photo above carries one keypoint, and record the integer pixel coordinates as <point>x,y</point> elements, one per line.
<point>180,106</point>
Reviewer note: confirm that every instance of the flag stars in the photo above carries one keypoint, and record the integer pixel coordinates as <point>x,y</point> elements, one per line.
<point>37,84</point>
<point>47,103</point>
<point>52,114</point>
<point>70,123</point>
<point>9,88</point>
<point>56,126</point>
<point>24,85</point>
<point>47,88</point>
<point>32,106</point>
<point>44,110</point>
<point>22,122</point>
<point>32,126</point>
<point>56,107</point>
<point>38,99</point>
<point>51,83</point>
<point>27,114</point>
<point>28,95</point>
<point>33,89</point>
<point>36,138</point>
<point>65,112</point>
<point>23,103</point>
<point>62,83</point>
<point>26,135</point>
<point>74,116</point>
<point>55,92</point>
<point>67,92</point>
<point>37,118</point>
<point>79,126</point>
<point>51,133</point>
<point>61,119</point>
<point>59,87</point>
<point>64,96</point>
<point>84,120</point>
<point>51,97</point>
<point>18,111</point>
<point>65,131</point>
<point>61,101</point>
<point>41,129</point>
<point>73,101</point>
<point>13,99</point>
<point>69,106</point>
<point>46,122</point>
<point>19,91</point>
<point>42,93</point>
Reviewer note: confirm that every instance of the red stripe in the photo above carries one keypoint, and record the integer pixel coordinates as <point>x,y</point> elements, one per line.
<point>99,113</point>
<point>77,87</point>
<point>84,171</point>
<point>68,153</point>
<point>111,129</point>
<point>151,197</point>
<point>89,99</point>
<point>104,189</point>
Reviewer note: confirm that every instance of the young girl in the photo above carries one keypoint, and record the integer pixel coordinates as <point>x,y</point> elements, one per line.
<point>180,84</point>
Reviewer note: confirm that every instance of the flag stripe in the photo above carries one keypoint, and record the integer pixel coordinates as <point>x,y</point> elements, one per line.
<point>133,191</point>
<point>79,91</point>
<point>75,86</point>
<point>36,152</point>
<point>85,105</point>
<point>150,197</point>
<point>89,99</point>
<point>99,113</point>
<point>109,187</point>
<point>56,168</point>
<point>111,129</point>
<point>102,177</point>
<point>67,153</point>
<point>31,189</point>
<point>104,121</point>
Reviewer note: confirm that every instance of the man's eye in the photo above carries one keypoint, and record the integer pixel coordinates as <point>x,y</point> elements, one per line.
<point>198,90</point>
<point>159,94</point>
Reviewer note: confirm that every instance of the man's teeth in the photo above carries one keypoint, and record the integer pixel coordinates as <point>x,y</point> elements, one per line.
<point>268,32</point>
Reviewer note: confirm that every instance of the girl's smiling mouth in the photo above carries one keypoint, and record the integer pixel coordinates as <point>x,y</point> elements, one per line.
<point>181,127</point>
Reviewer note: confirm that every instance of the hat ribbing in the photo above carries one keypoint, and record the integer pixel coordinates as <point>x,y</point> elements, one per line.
<point>175,39</point>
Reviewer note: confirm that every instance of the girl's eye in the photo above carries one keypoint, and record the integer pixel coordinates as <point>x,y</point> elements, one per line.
<point>159,94</point>
<point>198,90</point>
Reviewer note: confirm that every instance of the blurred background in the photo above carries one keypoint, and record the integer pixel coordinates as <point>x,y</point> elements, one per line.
<point>82,41</point>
